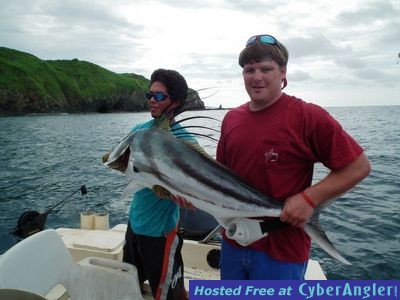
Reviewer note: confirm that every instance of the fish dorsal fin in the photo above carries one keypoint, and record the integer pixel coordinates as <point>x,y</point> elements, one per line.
<point>194,145</point>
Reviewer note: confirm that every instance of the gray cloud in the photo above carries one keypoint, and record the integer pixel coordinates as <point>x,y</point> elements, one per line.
<point>317,45</point>
<point>389,35</point>
<point>69,29</point>
<point>211,67</point>
<point>245,6</point>
<point>298,76</point>
<point>357,47</point>
<point>197,4</point>
<point>370,13</point>
<point>254,6</point>
<point>350,62</point>
<point>370,74</point>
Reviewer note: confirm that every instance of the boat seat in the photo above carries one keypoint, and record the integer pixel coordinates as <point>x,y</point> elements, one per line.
<point>41,262</point>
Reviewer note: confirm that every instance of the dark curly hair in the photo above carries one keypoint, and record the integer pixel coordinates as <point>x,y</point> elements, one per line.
<point>174,82</point>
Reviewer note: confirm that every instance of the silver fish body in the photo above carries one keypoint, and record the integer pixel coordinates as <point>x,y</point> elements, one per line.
<point>159,158</point>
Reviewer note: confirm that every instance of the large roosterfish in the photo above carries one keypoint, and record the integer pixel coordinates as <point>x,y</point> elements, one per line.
<point>156,159</point>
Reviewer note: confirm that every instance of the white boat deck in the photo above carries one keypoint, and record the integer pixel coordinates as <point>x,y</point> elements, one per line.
<point>109,244</point>
<point>94,252</point>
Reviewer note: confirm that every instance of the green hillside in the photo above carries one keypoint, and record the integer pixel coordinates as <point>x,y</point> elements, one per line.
<point>31,85</point>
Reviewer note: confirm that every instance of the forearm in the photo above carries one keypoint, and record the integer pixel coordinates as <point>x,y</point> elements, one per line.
<point>297,209</point>
<point>340,181</point>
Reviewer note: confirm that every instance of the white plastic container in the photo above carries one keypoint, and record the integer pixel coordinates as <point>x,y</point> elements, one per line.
<point>100,243</point>
<point>87,220</point>
<point>101,221</point>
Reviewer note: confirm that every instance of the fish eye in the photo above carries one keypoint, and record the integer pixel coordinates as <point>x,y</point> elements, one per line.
<point>136,170</point>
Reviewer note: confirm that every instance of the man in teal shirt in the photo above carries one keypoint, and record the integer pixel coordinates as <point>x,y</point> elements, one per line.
<point>153,242</point>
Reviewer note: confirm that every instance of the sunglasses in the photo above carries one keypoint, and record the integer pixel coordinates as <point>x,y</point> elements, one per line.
<point>263,38</point>
<point>158,96</point>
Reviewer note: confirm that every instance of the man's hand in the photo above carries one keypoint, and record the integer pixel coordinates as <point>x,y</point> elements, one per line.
<point>296,211</point>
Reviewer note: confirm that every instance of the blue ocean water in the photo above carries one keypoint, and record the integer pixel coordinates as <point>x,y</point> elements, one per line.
<point>46,158</point>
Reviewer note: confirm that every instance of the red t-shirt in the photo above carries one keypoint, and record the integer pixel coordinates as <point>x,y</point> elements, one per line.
<point>275,150</point>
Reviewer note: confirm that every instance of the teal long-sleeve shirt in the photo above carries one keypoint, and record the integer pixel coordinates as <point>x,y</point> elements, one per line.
<point>150,215</point>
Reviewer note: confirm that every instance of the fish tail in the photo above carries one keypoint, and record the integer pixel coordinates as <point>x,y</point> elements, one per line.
<point>317,234</point>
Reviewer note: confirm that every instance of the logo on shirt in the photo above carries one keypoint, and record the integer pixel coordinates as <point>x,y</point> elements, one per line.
<point>271,155</point>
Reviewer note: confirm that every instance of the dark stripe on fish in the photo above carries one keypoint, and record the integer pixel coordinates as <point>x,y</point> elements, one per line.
<point>191,171</point>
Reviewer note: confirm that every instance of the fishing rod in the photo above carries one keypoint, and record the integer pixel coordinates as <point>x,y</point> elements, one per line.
<point>31,221</point>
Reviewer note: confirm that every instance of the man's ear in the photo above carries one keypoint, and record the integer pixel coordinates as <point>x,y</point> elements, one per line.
<point>284,83</point>
<point>284,80</point>
<point>283,72</point>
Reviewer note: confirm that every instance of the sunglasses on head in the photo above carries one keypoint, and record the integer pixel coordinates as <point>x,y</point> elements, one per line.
<point>158,96</point>
<point>263,38</point>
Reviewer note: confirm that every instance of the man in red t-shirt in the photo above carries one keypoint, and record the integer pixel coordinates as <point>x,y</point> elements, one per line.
<point>272,142</point>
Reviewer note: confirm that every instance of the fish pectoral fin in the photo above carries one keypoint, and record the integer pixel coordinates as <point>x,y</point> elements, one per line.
<point>162,192</point>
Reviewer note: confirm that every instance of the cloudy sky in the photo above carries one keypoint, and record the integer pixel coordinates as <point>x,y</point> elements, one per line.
<point>341,52</point>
